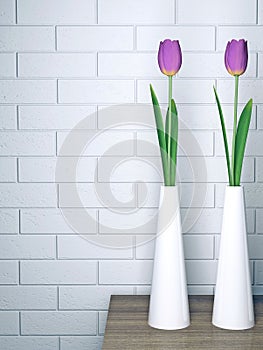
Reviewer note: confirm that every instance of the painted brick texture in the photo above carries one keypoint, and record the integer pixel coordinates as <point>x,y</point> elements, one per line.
<point>80,169</point>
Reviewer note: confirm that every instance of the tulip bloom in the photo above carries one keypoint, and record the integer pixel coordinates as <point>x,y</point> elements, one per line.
<point>170,61</point>
<point>236,57</point>
<point>169,57</point>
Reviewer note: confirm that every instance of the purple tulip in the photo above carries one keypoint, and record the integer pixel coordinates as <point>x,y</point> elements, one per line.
<point>236,57</point>
<point>169,57</point>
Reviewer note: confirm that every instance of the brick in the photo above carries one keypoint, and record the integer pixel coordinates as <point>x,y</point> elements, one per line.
<point>257,290</point>
<point>8,272</point>
<point>97,195</point>
<point>200,290</point>
<point>125,272</point>
<point>255,245</point>
<point>253,146</point>
<point>28,91</point>
<point>67,169</point>
<point>201,272</point>
<point>62,322</point>
<point>81,343</point>
<point>129,169</point>
<point>8,170</point>
<point>27,195</point>
<point>60,65</point>
<point>102,321</point>
<point>29,343</point>
<point>22,143</point>
<point>126,116</point>
<point>259,221</point>
<point>58,272</point>
<point>93,143</point>
<point>215,13</point>
<point>191,38</point>
<point>97,247</point>
<point>27,38</point>
<point>54,221</point>
<point>259,272</point>
<point>199,247</point>
<point>251,33</point>
<point>51,12</point>
<point>127,65</point>
<point>28,298</point>
<point>189,143</point>
<point>9,221</point>
<point>259,169</point>
<point>89,298</point>
<point>27,247</point>
<point>260,69</point>
<point>195,247</point>
<point>143,290</point>
<point>7,12</point>
<point>211,169</point>
<point>211,65</point>
<point>260,12</point>
<point>96,91</point>
<point>186,91</point>
<point>203,221</point>
<point>136,222</point>
<point>8,118</point>
<point>57,117</point>
<point>191,195</point>
<point>133,12</point>
<point>94,38</point>
<point>254,195</point>
<point>9,324</point>
<point>260,117</point>
<point>7,64</point>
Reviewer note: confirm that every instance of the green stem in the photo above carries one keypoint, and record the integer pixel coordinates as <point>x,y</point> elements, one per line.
<point>234,132</point>
<point>169,127</point>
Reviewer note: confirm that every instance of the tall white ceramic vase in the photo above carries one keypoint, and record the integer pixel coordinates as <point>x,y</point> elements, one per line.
<point>233,302</point>
<point>169,307</point>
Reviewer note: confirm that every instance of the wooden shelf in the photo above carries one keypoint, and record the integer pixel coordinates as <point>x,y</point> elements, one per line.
<point>127,328</point>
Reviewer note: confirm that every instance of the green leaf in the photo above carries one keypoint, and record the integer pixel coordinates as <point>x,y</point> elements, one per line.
<point>241,139</point>
<point>224,135</point>
<point>174,142</point>
<point>160,133</point>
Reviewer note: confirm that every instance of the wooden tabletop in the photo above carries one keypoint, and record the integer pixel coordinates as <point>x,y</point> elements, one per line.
<point>127,328</point>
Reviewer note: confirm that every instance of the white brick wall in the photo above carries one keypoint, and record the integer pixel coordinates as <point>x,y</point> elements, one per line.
<point>63,65</point>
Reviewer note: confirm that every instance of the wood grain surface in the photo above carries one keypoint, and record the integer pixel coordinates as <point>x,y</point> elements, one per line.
<point>127,328</point>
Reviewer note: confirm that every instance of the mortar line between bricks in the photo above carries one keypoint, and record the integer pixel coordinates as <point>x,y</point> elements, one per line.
<point>16,63</point>
<point>16,12</point>
<point>20,323</point>
<point>97,12</point>
<point>257,12</point>
<point>176,5</point>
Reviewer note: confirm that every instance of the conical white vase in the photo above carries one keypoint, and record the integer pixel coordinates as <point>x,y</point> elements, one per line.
<point>169,307</point>
<point>233,302</point>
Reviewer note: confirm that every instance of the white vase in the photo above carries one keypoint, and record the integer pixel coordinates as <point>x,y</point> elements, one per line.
<point>169,307</point>
<point>233,302</point>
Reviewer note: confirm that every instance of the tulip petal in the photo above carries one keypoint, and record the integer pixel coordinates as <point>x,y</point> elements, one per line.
<point>236,56</point>
<point>169,57</point>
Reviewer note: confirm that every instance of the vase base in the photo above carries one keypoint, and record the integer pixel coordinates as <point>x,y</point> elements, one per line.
<point>170,327</point>
<point>233,327</point>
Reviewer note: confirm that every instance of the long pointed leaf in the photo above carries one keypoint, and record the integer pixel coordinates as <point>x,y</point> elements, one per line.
<point>174,142</point>
<point>224,135</point>
<point>160,133</point>
<point>241,138</point>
